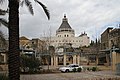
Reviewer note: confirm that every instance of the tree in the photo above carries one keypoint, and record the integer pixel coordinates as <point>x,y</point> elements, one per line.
<point>29,62</point>
<point>14,54</point>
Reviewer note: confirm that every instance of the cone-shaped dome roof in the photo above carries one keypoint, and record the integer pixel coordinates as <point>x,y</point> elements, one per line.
<point>65,23</point>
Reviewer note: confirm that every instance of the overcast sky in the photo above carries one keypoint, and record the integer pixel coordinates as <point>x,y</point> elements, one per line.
<point>91,16</point>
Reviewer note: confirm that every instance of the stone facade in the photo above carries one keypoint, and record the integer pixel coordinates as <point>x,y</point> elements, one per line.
<point>66,35</point>
<point>114,38</point>
<point>110,46</point>
<point>105,39</point>
<point>109,38</point>
<point>64,43</point>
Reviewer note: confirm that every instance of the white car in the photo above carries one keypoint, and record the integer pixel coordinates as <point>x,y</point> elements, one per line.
<point>70,68</point>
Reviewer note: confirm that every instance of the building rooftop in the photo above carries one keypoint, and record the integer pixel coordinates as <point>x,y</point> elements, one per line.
<point>23,38</point>
<point>65,23</point>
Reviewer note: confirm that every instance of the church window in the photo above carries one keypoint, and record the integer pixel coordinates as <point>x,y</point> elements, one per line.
<point>64,35</point>
<point>67,35</point>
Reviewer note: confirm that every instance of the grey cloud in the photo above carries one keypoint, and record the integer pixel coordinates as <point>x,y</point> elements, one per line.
<point>83,15</point>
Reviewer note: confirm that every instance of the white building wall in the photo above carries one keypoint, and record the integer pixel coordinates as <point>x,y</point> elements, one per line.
<point>75,41</point>
<point>65,34</point>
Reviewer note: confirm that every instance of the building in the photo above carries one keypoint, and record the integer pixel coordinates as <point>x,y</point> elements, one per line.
<point>33,44</point>
<point>110,38</point>
<point>65,43</point>
<point>65,35</point>
<point>104,56</point>
<point>114,38</point>
<point>105,39</point>
<point>24,42</point>
<point>57,50</point>
<point>33,48</point>
<point>110,46</point>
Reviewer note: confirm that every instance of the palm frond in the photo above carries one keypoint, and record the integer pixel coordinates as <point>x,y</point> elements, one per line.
<point>21,3</point>
<point>3,12</point>
<point>1,1</point>
<point>4,22</point>
<point>29,5</point>
<point>44,8</point>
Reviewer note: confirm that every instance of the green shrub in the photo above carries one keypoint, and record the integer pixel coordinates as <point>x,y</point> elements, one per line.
<point>29,64</point>
<point>118,68</point>
<point>88,69</point>
<point>1,68</point>
<point>79,69</point>
<point>94,68</point>
<point>74,70</point>
<point>3,77</point>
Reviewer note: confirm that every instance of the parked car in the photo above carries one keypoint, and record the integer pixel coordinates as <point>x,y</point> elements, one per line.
<point>70,68</point>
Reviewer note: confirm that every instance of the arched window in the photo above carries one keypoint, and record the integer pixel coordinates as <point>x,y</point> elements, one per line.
<point>64,35</point>
<point>67,35</point>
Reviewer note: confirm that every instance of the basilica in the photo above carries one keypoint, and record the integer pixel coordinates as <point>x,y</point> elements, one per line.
<point>66,44</point>
<point>65,36</point>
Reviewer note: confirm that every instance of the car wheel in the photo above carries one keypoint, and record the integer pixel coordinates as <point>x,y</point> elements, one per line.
<point>66,70</point>
<point>62,71</point>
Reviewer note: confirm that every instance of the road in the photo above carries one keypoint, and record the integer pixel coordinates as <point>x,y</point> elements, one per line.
<point>100,75</point>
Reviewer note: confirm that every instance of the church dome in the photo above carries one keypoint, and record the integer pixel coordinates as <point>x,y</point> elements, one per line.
<point>65,24</point>
<point>65,27</point>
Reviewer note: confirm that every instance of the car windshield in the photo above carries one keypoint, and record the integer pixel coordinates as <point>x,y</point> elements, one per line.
<point>72,65</point>
<point>69,65</point>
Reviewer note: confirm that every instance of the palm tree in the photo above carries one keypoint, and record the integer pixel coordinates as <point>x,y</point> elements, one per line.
<point>30,8</point>
<point>13,56</point>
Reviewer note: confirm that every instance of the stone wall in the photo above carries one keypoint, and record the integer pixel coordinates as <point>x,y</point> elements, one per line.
<point>4,67</point>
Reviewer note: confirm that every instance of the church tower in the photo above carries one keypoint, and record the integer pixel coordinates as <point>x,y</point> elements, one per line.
<point>65,29</point>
